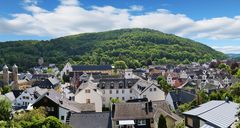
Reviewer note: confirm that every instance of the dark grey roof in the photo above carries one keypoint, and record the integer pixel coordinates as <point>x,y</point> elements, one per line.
<point>116,83</point>
<point>91,67</point>
<point>138,110</point>
<point>58,99</point>
<point>91,120</point>
<point>181,97</point>
<point>47,83</point>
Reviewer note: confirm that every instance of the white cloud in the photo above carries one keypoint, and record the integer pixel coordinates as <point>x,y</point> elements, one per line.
<point>227,49</point>
<point>30,1</point>
<point>136,8</point>
<point>70,18</point>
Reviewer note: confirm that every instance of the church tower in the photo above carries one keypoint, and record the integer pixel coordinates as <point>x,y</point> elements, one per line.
<point>5,75</point>
<point>15,73</point>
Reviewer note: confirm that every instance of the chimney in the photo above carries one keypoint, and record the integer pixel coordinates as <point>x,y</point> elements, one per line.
<point>150,106</point>
<point>61,102</point>
<point>113,110</point>
<point>227,99</point>
<point>146,107</point>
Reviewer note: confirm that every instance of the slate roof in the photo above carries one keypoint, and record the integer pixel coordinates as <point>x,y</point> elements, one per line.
<point>219,113</point>
<point>47,83</point>
<point>91,67</point>
<point>58,99</point>
<point>180,97</point>
<point>116,83</point>
<point>137,110</point>
<point>91,120</point>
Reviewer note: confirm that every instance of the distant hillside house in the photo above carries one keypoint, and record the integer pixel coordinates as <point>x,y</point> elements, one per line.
<point>86,69</point>
<point>213,114</point>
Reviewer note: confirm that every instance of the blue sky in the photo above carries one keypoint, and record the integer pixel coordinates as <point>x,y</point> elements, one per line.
<point>212,22</point>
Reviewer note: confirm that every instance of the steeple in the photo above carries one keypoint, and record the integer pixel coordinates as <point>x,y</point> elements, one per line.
<point>5,75</point>
<point>15,76</point>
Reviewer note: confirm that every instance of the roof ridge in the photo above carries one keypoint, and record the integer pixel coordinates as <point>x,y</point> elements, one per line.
<point>212,108</point>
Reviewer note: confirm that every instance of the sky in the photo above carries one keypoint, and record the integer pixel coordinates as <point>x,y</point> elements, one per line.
<point>215,23</point>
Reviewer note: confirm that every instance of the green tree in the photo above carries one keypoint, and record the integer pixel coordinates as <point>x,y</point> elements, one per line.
<point>163,84</point>
<point>5,109</point>
<point>202,97</point>
<point>162,123</point>
<point>115,100</point>
<point>180,125</point>
<point>6,89</point>
<point>120,65</point>
<point>215,96</point>
<point>238,73</point>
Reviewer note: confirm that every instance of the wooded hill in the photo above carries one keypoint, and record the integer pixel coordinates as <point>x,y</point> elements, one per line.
<point>137,47</point>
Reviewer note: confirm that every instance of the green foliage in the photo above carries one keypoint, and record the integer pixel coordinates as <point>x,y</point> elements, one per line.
<point>238,73</point>
<point>5,109</point>
<point>134,46</point>
<point>65,78</point>
<point>225,67</point>
<point>235,92</point>
<point>163,84</point>
<point>162,123</point>
<point>5,89</point>
<point>120,65</point>
<point>180,125</point>
<point>35,119</point>
<point>115,100</point>
<point>185,107</point>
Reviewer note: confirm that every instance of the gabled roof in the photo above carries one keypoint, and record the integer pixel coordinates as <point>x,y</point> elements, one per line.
<point>138,110</point>
<point>181,96</point>
<point>218,113</point>
<point>91,67</point>
<point>91,120</point>
<point>58,99</point>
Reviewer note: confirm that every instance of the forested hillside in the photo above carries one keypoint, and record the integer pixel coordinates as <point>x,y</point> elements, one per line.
<point>137,47</point>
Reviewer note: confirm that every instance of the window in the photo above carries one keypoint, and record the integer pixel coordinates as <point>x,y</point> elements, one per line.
<point>110,91</point>
<point>144,96</point>
<point>130,98</point>
<point>62,117</point>
<point>150,89</point>
<point>116,91</point>
<point>27,97</point>
<point>110,98</point>
<point>122,91</point>
<point>141,122</point>
<point>87,91</point>
<point>130,90</point>
<point>88,101</point>
<point>123,98</point>
<point>155,89</point>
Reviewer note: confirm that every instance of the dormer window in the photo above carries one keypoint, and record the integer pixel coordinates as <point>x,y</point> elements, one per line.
<point>129,84</point>
<point>103,85</point>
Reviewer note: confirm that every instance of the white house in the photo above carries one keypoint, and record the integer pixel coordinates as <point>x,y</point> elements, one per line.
<point>100,93</point>
<point>149,90</point>
<point>28,96</point>
<point>170,79</point>
<point>89,93</point>
<point>67,68</point>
